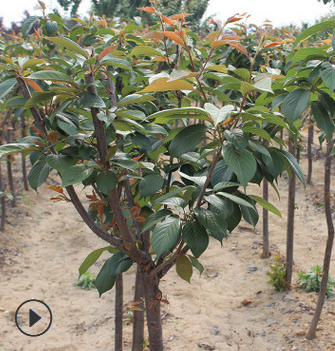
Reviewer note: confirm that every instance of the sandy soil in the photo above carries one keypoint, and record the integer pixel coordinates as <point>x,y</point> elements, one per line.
<point>46,242</point>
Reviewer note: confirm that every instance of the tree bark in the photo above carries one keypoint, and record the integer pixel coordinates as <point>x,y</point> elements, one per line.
<point>311,333</point>
<point>290,222</point>
<point>309,153</point>
<point>118,312</point>
<point>3,201</point>
<point>23,159</point>
<point>153,313</point>
<point>138,318</point>
<point>266,244</point>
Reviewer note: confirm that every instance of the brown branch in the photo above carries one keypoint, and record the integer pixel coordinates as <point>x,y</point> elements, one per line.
<point>36,114</point>
<point>117,242</point>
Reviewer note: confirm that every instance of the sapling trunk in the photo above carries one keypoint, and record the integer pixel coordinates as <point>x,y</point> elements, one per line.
<point>266,244</point>
<point>290,222</point>
<point>138,316</point>
<point>311,333</point>
<point>153,314</point>
<point>23,159</point>
<point>309,153</point>
<point>3,201</point>
<point>118,312</point>
<point>10,170</point>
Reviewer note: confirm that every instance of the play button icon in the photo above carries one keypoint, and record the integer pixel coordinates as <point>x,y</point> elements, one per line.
<point>33,317</point>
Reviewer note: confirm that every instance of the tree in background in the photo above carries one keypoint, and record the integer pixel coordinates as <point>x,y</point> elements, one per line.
<point>129,8</point>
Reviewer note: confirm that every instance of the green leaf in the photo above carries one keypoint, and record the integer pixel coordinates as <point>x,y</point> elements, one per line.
<point>265,204</point>
<point>264,85</point>
<point>40,97</point>
<point>8,149</point>
<point>165,116</point>
<point>257,131</point>
<point>184,268</point>
<point>104,281</point>
<point>76,174</point>
<point>110,60</point>
<point>7,86</point>
<point>27,25</point>
<point>154,218</point>
<point>219,115</point>
<point>52,76</point>
<point>59,162</point>
<point>92,258</point>
<point>195,237</point>
<point>187,139</point>
<point>163,84</point>
<point>196,179</point>
<point>106,181</point>
<point>176,202</point>
<point>236,199</point>
<point>242,163</point>
<point>32,62</point>
<point>91,100</point>
<point>144,50</point>
<point>309,54</point>
<point>250,214</point>
<point>119,263</point>
<point>313,30</point>
<point>165,235</point>
<point>170,194</point>
<point>210,220</point>
<point>323,118</point>
<point>237,138</point>
<point>295,104</point>
<point>222,173</point>
<point>150,184</point>
<point>135,99</point>
<point>294,164</point>
<point>38,173</point>
<point>327,73</point>
<point>196,264</point>
<point>69,44</point>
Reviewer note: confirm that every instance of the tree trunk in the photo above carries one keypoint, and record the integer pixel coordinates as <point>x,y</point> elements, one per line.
<point>266,244</point>
<point>3,201</point>
<point>309,153</point>
<point>311,333</point>
<point>138,319</point>
<point>118,312</point>
<point>290,222</point>
<point>24,165</point>
<point>10,171</point>
<point>153,313</point>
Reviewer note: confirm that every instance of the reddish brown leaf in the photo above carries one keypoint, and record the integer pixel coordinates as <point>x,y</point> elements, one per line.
<point>56,188</point>
<point>233,19</point>
<point>173,36</point>
<point>166,20</point>
<point>140,219</point>
<point>101,210</point>
<point>147,9</point>
<point>53,137</point>
<point>238,47</point>
<point>106,52</point>
<point>177,17</point>
<point>275,43</point>
<point>33,84</point>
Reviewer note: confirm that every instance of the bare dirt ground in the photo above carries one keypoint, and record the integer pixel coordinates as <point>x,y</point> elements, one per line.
<point>230,307</point>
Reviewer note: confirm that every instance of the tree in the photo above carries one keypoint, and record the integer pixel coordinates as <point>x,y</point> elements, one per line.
<point>104,119</point>
<point>130,8</point>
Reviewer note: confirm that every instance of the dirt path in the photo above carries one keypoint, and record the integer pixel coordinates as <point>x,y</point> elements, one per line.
<point>41,253</point>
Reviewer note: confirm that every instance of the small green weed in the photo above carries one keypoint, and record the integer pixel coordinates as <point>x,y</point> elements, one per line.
<point>311,281</point>
<point>87,281</point>
<point>277,272</point>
